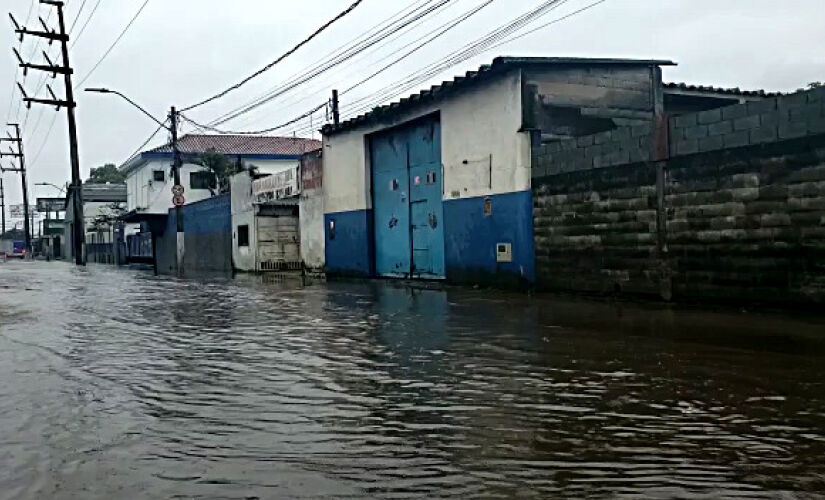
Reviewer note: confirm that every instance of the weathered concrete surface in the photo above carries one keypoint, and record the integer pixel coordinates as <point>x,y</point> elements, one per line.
<point>737,212</point>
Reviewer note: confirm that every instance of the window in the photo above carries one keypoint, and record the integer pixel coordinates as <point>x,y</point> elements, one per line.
<point>243,236</point>
<point>158,176</point>
<point>202,180</point>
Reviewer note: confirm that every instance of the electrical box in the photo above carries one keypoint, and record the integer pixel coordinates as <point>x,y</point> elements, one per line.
<point>504,252</point>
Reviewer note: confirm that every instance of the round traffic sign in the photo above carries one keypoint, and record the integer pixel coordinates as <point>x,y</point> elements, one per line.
<point>178,200</point>
<point>177,190</point>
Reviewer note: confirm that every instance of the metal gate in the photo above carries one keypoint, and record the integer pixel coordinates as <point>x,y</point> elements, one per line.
<point>407,201</point>
<point>278,243</point>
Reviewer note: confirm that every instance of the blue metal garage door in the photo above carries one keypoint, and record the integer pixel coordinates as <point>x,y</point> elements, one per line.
<point>407,202</point>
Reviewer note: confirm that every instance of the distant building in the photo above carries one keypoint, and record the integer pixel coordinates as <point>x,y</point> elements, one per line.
<point>150,180</point>
<point>437,185</point>
<point>149,187</point>
<point>103,206</point>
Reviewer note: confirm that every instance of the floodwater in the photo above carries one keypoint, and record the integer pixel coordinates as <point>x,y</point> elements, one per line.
<point>119,384</point>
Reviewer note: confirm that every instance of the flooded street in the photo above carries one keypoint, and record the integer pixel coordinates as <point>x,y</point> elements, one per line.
<point>119,384</point>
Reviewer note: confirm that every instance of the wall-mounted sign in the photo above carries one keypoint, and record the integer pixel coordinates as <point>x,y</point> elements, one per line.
<point>51,204</point>
<point>277,186</point>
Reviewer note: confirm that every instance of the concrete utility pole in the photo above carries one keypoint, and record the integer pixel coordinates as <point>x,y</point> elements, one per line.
<point>76,189</point>
<point>336,115</point>
<point>21,169</point>
<point>2,206</point>
<point>177,191</point>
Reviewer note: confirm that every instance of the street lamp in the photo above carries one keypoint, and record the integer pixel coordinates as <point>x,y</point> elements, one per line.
<point>177,190</point>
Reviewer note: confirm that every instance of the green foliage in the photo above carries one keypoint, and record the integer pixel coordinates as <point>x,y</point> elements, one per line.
<point>108,173</point>
<point>815,85</point>
<point>221,166</point>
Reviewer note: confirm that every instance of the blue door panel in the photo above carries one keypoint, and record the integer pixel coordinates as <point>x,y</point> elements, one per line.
<point>407,198</point>
<point>391,206</point>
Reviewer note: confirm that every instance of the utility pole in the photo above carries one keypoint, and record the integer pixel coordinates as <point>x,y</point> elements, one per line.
<point>2,205</point>
<point>177,191</point>
<point>76,189</point>
<point>336,116</point>
<point>21,169</point>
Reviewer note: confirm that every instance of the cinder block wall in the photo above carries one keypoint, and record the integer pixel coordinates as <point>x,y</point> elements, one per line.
<point>735,210</point>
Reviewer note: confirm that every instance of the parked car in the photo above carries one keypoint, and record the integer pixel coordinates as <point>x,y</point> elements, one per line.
<point>18,251</point>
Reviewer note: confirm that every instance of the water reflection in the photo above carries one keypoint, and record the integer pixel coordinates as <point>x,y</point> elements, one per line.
<point>253,388</point>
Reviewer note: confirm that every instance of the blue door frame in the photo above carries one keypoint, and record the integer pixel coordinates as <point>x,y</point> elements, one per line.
<point>407,190</point>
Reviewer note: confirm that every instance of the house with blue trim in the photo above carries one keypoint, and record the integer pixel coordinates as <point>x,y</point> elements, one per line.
<point>438,185</point>
<point>211,231</point>
<point>149,178</point>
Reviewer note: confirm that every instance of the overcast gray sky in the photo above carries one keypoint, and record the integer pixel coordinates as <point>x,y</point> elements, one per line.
<point>181,51</point>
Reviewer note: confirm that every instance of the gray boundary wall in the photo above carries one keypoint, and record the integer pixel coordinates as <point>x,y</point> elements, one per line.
<point>734,207</point>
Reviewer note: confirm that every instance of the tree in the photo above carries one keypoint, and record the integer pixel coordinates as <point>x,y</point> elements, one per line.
<point>108,173</point>
<point>219,165</point>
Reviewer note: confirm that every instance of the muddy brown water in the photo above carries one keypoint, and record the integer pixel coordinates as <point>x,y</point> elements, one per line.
<point>119,384</point>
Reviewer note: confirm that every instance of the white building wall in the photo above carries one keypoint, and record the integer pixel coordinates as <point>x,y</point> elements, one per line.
<point>243,212</point>
<point>478,126</point>
<point>312,230</point>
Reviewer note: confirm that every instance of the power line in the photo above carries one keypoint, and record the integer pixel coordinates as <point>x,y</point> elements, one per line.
<point>147,141</point>
<point>45,140</point>
<point>386,33</point>
<point>254,132</point>
<point>85,24</point>
<point>455,23</point>
<point>479,46</point>
<point>469,50</point>
<point>349,46</point>
<point>554,21</point>
<point>507,28</point>
<point>114,44</point>
<point>77,16</point>
<point>278,60</point>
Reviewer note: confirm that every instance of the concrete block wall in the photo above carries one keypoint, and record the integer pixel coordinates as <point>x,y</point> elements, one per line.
<point>752,124</point>
<point>736,211</point>
<point>595,230</point>
<point>606,149</point>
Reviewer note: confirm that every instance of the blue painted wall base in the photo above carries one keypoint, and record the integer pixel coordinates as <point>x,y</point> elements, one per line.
<point>471,239</point>
<point>349,245</point>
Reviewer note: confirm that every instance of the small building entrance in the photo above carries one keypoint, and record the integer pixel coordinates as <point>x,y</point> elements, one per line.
<point>407,189</point>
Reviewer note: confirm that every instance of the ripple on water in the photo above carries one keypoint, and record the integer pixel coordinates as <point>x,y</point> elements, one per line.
<point>117,383</point>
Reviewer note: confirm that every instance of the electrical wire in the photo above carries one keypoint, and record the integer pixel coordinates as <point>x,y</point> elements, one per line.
<point>379,32</point>
<point>77,16</point>
<point>278,60</point>
<point>554,21</point>
<point>85,24</point>
<point>470,50</point>
<point>254,132</point>
<point>458,56</point>
<point>344,57</point>
<point>147,141</point>
<point>114,44</point>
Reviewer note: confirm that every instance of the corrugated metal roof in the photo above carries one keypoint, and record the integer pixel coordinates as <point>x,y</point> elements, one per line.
<point>720,90</point>
<point>499,65</point>
<point>241,145</point>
